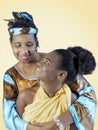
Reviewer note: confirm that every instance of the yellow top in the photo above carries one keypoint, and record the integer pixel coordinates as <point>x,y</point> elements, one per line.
<point>44,108</point>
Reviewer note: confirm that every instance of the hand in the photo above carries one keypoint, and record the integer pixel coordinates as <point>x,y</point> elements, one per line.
<point>32,127</point>
<point>74,97</point>
<point>45,126</point>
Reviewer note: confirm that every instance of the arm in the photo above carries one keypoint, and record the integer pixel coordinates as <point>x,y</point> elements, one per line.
<point>20,103</point>
<point>83,110</point>
<point>24,98</point>
<point>11,118</point>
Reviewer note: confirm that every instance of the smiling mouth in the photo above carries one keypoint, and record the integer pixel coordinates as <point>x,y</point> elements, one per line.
<point>24,57</point>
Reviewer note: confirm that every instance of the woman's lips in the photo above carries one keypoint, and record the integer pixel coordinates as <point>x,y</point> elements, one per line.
<point>24,57</point>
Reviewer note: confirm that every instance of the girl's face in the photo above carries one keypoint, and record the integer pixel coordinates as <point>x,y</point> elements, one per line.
<point>47,68</point>
<point>24,48</point>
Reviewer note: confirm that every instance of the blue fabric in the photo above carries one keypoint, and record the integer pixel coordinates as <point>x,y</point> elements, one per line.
<point>17,31</point>
<point>86,90</point>
<point>87,103</point>
<point>11,118</point>
<point>26,16</point>
<point>75,117</point>
<point>8,79</point>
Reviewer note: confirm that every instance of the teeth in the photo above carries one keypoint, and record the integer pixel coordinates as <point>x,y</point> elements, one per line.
<point>24,57</point>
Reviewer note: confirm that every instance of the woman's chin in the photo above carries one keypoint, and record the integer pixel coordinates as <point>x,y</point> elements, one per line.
<point>24,59</point>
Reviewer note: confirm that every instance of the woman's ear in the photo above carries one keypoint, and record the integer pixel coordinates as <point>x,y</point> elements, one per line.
<point>62,75</point>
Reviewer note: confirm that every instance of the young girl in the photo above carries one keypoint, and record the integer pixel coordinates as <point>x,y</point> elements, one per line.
<point>57,70</point>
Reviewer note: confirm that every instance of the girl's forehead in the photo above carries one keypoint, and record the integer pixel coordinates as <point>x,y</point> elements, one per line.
<point>53,57</point>
<point>50,55</point>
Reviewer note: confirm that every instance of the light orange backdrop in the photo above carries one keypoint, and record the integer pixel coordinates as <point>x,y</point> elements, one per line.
<point>61,23</point>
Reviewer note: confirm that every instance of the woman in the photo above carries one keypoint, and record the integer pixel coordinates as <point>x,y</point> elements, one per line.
<point>24,43</point>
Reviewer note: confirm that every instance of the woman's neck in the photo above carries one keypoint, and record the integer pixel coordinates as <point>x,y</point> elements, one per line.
<point>27,69</point>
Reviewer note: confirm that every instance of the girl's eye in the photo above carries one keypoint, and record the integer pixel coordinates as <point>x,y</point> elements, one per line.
<point>46,61</point>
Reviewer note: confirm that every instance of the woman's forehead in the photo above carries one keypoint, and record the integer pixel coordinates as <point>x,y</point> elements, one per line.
<point>23,37</point>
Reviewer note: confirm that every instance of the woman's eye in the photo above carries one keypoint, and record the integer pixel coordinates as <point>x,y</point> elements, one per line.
<point>17,44</point>
<point>29,44</point>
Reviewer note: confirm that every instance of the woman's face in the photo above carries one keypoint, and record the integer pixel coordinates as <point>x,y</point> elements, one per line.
<point>47,68</point>
<point>24,48</point>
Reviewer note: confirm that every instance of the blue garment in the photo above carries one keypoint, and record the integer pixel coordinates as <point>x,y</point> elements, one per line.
<point>86,103</point>
<point>13,81</point>
<point>11,118</point>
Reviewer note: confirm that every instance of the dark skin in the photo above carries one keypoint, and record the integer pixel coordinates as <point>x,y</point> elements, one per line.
<point>29,98</point>
<point>27,95</point>
<point>24,49</point>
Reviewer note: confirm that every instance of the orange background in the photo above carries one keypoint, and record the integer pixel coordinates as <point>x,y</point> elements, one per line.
<point>61,23</point>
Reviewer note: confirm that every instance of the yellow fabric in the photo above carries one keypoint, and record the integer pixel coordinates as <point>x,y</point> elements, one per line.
<point>44,108</point>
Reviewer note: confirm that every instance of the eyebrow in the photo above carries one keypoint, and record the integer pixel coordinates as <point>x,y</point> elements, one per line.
<point>20,42</point>
<point>16,43</point>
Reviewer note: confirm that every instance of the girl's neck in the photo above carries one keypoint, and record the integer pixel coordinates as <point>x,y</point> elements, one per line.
<point>52,88</point>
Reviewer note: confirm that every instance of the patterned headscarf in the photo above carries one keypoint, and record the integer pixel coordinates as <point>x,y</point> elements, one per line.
<point>20,17</point>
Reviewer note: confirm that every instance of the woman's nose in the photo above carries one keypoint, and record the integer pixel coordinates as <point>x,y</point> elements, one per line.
<point>24,50</point>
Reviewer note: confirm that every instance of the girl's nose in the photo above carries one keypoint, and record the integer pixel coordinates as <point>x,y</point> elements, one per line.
<point>38,64</point>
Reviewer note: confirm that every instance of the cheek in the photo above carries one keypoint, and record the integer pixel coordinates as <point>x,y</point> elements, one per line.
<point>50,74</point>
<point>34,54</point>
<point>15,51</point>
<point>33,47</point>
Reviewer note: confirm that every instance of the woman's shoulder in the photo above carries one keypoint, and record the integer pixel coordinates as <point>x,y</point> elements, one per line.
<point>10,70</point>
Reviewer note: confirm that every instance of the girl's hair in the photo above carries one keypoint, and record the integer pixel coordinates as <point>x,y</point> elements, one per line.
<point>76,60</point>
<point>22,20</point>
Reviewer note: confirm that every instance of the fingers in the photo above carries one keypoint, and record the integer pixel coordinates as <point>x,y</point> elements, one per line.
<point>38,124</point>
